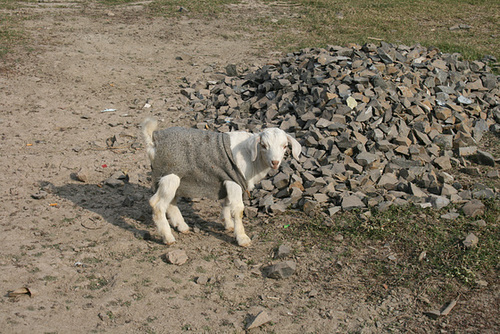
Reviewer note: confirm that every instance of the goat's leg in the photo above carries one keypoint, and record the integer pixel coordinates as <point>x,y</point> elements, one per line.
<point>160,203</point>
<point>226,215</point>
<point>235,203</point>
<point>175,217</point>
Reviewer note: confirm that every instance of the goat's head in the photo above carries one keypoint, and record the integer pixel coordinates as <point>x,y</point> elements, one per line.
<point>271,144</point>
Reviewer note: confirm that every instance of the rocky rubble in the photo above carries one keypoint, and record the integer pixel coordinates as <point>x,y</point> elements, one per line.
<point>379,124</point>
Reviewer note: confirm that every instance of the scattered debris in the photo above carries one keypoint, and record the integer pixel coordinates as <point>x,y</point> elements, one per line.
<point>448,308</point>
<point>445,310</point>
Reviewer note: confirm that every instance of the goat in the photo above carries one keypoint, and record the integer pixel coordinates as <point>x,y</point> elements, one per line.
<point>197,163</point>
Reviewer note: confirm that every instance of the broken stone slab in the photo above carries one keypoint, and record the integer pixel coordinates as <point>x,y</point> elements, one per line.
<point>260,319</point>
<point>485,158</point>
<point>365,158</point>
<point>113,183</point>
<point>352,202</point>
<point>473,208</point>
<point>416,191</point>
<point>448,190</point>
<point>443,162</point>
<point>280,270</point>
<point>439,202</point>
<point>388,181</point>
<point>486,193</point>
<point>450,215</point>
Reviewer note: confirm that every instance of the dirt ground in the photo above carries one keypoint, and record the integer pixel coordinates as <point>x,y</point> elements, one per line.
<point>89,252</point>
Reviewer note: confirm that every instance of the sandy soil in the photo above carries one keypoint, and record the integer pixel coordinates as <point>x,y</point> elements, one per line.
<point>89,252</point>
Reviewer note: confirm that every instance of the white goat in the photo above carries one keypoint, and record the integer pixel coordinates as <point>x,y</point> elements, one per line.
<point>197,163</point>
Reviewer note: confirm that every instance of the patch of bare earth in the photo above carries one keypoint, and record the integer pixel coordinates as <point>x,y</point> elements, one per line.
<point>89,253</point>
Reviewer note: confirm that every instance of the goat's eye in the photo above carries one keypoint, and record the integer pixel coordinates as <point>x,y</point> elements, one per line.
<point>264,146</point>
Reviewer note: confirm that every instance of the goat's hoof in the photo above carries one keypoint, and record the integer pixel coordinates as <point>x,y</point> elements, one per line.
<point>244,241</point>
<point>188,231</point>
<point>229,229</point>
<point>169,242</point>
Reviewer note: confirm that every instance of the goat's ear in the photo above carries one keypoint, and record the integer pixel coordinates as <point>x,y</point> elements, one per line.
<point>254,146</point>
<point>296,148</point>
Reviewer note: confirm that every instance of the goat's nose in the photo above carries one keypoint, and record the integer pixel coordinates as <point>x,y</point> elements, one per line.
<point>275,164</point>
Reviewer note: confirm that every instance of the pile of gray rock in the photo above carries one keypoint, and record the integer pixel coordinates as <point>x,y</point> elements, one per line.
<point>379,125</point>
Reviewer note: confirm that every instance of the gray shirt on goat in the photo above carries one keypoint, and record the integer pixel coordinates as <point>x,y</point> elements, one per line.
<point>201,159</point>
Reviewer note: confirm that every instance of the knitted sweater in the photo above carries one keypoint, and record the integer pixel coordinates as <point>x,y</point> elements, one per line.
<point>201,159</point>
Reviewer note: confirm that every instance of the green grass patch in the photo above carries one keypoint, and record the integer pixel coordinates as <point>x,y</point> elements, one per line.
<point>427,22</point>
<point>406,232</point>
<point>10,33</point>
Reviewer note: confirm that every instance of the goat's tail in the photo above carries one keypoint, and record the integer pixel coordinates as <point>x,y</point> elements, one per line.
<point>148,127</point>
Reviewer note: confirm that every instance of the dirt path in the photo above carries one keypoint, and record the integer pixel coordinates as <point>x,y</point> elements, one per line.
<point>88,250</point>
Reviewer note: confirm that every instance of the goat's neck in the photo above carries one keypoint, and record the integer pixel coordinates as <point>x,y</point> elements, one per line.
<point>258,170</point>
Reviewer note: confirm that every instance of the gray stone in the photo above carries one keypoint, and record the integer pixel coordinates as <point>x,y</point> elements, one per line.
<point>281,270</point>
<point>113,182</point>
<point>365,158</point>
<point>450,215</point>
<point>443,162</point>
<point>82,176</point>
<point>388,181</point>
<point>231,70</point>
<point>474,171</point>
<point>260,319</point>
<point>493,174</point>
<point>177,257</point>
<point>485,158</point>
<point>282,252</point>
<point>202,280</point>
<point>281,180</point>
<point>439,202</point>
<point>448,190</point>
<point>352,202</point>
<point>471,241</point>
<point>473,208</point>
<point>356,168</point>
<point>416,191</point>
<point>486,193</point>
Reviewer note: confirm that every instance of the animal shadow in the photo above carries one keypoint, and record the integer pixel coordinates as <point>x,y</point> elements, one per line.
<point>127,207</point>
